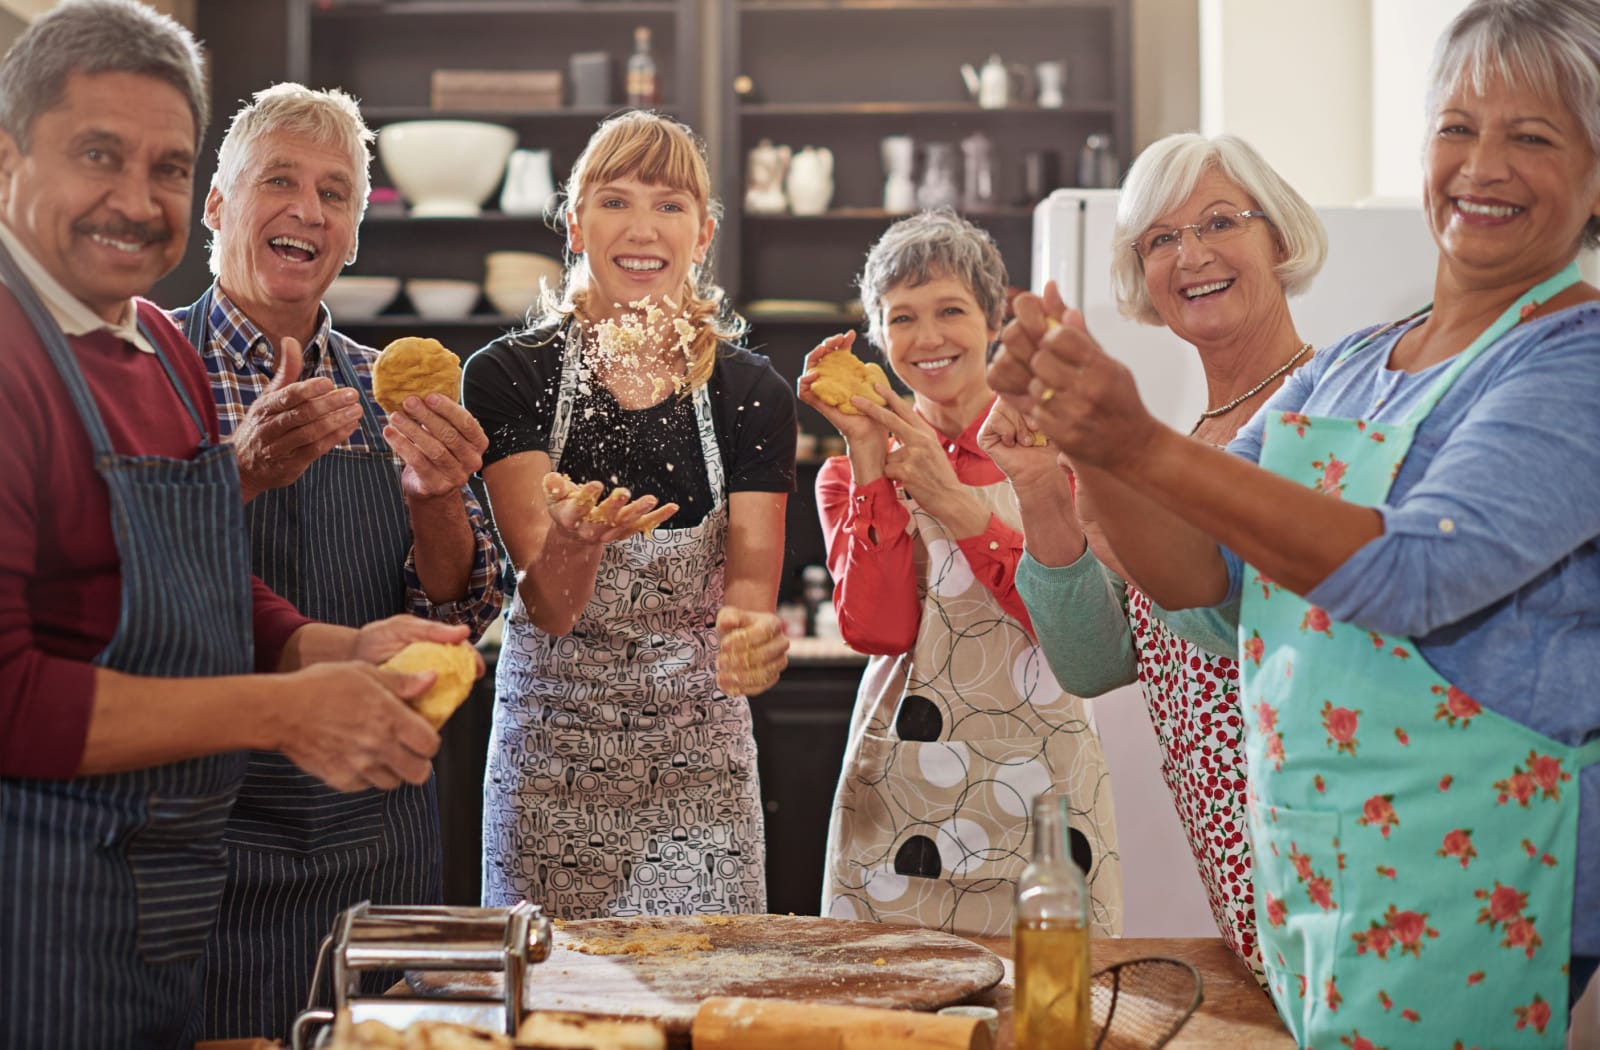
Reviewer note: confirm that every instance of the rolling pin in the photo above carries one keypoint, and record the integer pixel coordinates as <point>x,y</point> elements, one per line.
<point>776,1024</point>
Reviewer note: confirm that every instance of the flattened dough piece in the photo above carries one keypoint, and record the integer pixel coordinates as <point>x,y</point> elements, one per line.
<point>413,365</point>
<point>841,375</point>
<point>550,1031</point>
<point>456,667</point>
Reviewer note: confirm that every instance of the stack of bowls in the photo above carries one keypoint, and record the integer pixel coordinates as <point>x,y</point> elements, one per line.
<point>512,280</point>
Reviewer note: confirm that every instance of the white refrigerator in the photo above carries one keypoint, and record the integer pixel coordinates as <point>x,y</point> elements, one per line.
<point>1380,267</point>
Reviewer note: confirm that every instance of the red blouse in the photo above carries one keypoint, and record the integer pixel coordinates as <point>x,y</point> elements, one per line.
<point>876,595</point>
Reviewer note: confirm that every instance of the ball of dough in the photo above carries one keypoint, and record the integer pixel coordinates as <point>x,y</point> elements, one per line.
<point>456,666</point>
<point>842,375</point>
<point>412,365</point>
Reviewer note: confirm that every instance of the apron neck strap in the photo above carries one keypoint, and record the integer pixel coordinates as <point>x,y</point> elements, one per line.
<point>1589,753</point>
<point>1527,302</point>
<point>197,327</point>
<point>66,362</point>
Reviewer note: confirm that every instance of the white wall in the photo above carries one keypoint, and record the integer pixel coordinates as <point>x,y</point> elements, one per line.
<point>1294,77</point>
<point>1402,47</point>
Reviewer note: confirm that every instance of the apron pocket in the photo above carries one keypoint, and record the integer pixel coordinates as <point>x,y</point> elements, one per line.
<point>1299,918</point>
<point>178,865</point>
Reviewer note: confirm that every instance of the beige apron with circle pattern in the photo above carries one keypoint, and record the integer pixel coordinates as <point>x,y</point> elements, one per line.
<point>949,743</point>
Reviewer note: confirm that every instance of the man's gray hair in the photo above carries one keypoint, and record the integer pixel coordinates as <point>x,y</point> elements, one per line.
<point>1549,46</point>
<point>93,37</point>
<point>1163,177</point>
<point>327,118</point>
<point>926,247</point>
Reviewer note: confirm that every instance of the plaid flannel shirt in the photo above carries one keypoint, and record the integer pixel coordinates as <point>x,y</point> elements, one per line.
<point>238,359</point>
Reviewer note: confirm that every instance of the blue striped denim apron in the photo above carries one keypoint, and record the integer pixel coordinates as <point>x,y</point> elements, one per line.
<point>335,544</point>
<point>110,884</point>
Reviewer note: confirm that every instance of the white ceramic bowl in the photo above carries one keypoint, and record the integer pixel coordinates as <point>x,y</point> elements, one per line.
<point>513,298</point>
<point>441,300</point>
<point>359,298</point>
<point>445,168</point>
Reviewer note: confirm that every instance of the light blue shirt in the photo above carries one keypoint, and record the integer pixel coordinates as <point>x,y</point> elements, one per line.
<point>1490,552</point>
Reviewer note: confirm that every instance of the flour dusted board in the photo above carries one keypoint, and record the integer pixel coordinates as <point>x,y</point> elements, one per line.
<point>761,956</point>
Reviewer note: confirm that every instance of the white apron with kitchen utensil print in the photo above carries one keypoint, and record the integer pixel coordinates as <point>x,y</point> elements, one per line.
<point>948,746</point>
<point>1414,851</point>
<point>621,780</point>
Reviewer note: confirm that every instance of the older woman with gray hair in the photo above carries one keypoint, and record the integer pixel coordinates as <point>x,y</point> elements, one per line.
<point>1413,520</point>
<point>958,722</point>
<point>1209,241</point>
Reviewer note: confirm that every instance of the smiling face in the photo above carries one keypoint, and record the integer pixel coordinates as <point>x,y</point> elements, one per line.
<point>639,240</point>
<point>1217,292</point>
<point>286,227</point>
<point>1509,183</point>
<point>101,199</point>
<point>937,341</point>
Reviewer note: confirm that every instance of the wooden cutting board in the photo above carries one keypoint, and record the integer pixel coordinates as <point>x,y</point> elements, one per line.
<point>669,973</point>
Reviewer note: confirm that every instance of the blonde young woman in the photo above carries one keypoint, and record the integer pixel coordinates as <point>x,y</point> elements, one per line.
<point>1210,241</point>
<point>638,468</point>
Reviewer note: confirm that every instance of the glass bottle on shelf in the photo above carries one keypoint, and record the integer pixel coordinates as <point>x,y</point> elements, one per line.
<point>642,91</point>
<point>1050,940</point>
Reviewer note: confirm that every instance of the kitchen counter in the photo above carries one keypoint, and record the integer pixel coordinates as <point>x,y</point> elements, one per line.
<point>1235,1013</point>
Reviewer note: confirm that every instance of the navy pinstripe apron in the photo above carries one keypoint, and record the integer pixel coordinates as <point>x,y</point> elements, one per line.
<point>334,543</point>
<point>109,884</point>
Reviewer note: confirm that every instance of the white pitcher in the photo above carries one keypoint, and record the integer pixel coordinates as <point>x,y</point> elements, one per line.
<point>763,179</point>
<point>529,185</point>
<point>810,181</point>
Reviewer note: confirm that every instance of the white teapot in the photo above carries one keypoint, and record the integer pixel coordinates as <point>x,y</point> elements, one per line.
<point>763,179</point>
<point>810,181</point>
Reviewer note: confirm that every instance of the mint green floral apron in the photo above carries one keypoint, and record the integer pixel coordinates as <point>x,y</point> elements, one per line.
<point>1414,851</point>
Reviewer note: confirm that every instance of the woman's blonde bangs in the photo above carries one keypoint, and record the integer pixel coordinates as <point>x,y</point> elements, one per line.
<point>655,152</point>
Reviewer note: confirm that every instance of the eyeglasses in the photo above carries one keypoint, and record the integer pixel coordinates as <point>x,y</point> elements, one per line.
<point>1163,242</point>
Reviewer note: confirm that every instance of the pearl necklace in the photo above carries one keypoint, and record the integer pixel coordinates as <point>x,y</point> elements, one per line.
<point>1212,413</point>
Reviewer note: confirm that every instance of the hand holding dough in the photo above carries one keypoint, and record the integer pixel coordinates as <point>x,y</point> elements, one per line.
<point>455,668</point>
<point>842,375</point>
<point>752,651</point>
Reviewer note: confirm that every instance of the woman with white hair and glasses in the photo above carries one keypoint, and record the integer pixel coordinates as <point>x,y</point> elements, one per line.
<point>958,723</point>
<point>1209,242</point>
<point>1413,520</point>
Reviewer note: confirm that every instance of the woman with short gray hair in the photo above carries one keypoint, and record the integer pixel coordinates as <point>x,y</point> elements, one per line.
<point>958,723</point>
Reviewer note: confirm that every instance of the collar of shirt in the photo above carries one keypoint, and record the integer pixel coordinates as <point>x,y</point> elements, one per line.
<point>71,314</point>
<point>973,465</point>
<point>248,347</point>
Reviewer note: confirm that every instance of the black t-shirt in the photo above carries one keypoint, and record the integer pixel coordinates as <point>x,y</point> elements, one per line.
<point>512,386</point>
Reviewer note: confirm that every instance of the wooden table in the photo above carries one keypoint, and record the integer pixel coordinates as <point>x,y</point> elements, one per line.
<point>1235,1015</point>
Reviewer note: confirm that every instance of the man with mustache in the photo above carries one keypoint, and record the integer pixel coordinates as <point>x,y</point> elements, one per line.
<point>354,514</point>
<point>129,622</point>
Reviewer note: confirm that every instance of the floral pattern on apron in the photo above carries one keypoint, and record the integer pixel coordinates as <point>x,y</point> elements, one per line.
<point>948,746</point>
<point>1414,850</point>
<point>621,780</point>
<point>1193,699</point>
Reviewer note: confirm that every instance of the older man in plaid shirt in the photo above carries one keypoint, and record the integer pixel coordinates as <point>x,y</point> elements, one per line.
<point>354,515</point>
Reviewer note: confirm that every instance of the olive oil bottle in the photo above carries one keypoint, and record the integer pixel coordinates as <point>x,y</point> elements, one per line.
<point>1050,939</point>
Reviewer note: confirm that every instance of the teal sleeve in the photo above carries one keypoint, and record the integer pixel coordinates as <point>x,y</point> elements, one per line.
<point>1214,629</point>
<point>1080,617</point>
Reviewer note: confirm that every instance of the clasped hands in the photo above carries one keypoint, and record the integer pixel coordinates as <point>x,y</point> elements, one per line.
<point>1051,370</point>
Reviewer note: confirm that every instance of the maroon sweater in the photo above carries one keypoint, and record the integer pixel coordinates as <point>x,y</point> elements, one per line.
<point>60,575</point>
